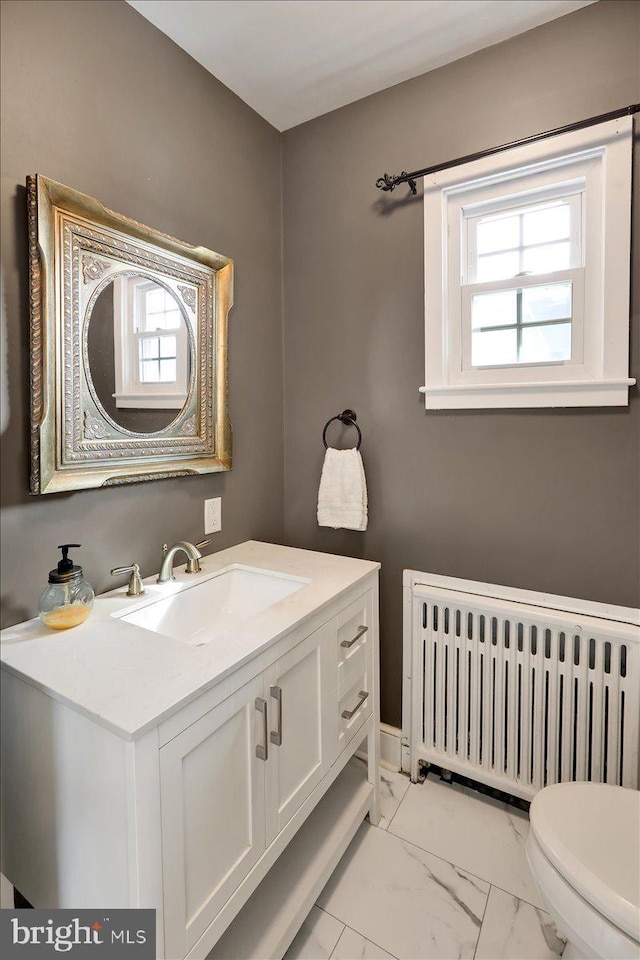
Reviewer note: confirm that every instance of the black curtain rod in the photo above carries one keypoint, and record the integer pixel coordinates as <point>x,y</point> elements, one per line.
<point>388,182</point>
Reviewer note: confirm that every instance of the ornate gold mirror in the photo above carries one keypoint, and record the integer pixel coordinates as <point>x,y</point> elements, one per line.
<point>128,347</point>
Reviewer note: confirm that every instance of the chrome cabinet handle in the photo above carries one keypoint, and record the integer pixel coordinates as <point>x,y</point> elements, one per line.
<point>361,632</point>
<point>347,714</point>
<point>262,749</point>
<point>276,735</point>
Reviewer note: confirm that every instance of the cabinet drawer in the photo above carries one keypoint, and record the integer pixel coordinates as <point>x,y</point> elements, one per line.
<point>355,706</point>
<point>354,639</point>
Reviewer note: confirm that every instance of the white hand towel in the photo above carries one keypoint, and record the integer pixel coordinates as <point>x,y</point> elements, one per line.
<point>342,497</point>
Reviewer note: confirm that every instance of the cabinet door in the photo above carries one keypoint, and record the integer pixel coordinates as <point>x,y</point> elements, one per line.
<point>213,813</point>
<point>295,687</point>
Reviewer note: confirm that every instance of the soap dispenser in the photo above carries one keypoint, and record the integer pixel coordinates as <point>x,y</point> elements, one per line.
<point>68,599</point>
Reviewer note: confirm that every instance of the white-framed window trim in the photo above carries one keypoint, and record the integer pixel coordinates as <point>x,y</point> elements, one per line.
<point>131,392</point>
<point>590,170</point>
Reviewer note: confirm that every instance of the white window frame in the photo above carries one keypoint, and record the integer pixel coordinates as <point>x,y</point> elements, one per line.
<point>522,371</point>
<point>593,164</point>
<point>130,391</point>
<point>574,194</point>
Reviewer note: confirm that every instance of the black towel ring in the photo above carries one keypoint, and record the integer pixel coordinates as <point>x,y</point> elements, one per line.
<point>348,418</point>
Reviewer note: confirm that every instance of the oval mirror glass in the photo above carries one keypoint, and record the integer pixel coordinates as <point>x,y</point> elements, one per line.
<point>139,354</point>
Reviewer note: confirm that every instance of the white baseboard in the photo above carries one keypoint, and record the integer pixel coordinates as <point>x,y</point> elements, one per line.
<point>390,747</point>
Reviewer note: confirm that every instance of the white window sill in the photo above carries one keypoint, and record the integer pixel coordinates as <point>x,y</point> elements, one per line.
<point>579,393</point>
<point>156,401</point>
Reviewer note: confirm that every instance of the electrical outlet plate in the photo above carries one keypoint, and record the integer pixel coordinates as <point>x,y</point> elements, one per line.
<point>213,515</point>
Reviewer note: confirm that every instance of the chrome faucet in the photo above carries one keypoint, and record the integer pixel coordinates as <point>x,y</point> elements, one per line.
<point>193,558</point>
<point>136,587</point>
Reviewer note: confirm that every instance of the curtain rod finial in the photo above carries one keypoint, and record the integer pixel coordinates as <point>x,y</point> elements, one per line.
<point>389,183</point>
<point>386,183</point>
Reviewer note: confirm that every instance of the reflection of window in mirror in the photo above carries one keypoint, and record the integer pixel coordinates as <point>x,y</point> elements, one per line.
<point>151,345</point>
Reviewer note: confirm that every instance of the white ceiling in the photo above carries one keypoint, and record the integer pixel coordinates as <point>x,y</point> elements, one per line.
<point>292,60</point>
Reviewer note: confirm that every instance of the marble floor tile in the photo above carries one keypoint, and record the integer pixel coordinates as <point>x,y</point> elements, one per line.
<point>519,821</point>
<point>478,834</point>
<point>353,946</point>
<point>316,938</point>
<point>393,786</point>
<point>514,930</point>
<point>410,903</point>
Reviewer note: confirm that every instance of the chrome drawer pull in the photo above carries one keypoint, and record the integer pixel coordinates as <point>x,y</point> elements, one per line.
<point>347,714</point>
<point>349,643</point>
<point>262,749</point>
<point>276,735</point>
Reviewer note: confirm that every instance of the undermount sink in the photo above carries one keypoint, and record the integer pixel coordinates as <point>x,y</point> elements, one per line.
<point>215,606</point>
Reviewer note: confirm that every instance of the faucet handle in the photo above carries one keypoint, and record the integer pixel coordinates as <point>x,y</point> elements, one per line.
<point>193,563</point>
<point>136,589</point>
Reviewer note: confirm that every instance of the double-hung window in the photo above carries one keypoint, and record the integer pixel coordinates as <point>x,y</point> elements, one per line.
<point>152,345</point>
<point>523,281</point>
<point>527,275</point>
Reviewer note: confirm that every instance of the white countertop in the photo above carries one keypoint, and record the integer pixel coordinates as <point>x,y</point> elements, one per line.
<point>128,678</point>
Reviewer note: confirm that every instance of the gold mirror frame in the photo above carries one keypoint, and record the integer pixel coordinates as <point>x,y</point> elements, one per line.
<point>76,246</point>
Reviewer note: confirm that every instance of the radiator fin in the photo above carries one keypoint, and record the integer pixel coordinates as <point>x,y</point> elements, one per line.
<point>521,704</point>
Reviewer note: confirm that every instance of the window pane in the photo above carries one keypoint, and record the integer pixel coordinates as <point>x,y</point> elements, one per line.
<point>169,320</point>
<point>543,344</point>
<point>168,371</point>
<point>168,347</point>
<point>498,266</point>
<point>149,371</point>
<point>493,309</point>
<point>494,348</point>
<point>497,234</point>
<point>154,300</point>
<point>552,256</point>
<point>150,347</point>
<point>549,302</point>
<point>550,223</point>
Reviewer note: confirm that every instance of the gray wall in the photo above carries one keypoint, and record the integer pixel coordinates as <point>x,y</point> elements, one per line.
<point>541,499</point>
<point>97,98</point>
<point>101,351</point>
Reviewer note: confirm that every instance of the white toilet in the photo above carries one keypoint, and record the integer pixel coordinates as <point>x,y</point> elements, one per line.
<point>584,851</point>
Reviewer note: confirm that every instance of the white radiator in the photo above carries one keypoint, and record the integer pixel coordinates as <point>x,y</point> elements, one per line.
<point>517,689</point>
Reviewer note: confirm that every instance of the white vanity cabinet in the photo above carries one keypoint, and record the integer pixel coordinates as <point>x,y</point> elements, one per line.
<point>228,813</point>
<point>233,779</point>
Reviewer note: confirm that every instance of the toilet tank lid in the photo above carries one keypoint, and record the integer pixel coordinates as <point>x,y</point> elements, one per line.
<point>591,834</point>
